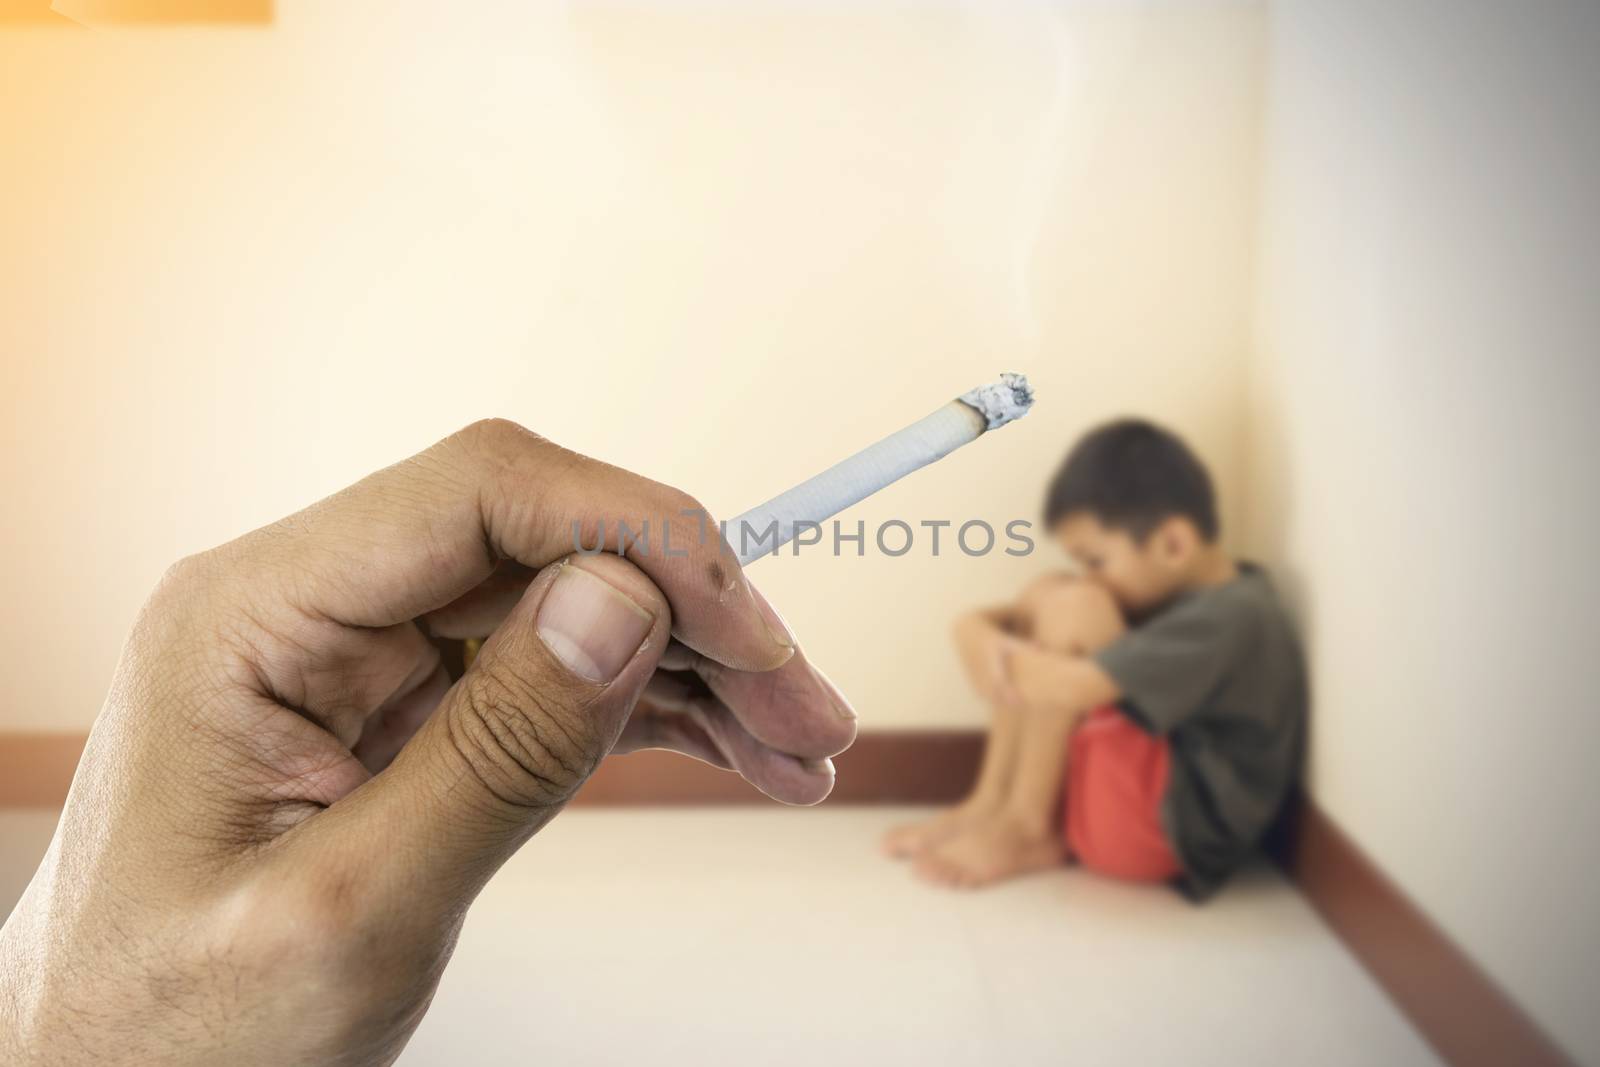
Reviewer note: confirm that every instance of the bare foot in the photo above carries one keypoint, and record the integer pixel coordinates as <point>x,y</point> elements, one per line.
<point>990,852</point>
<point>913,839</point>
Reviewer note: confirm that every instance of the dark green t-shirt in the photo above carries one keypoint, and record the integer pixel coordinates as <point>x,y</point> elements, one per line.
<point>1218,673</point>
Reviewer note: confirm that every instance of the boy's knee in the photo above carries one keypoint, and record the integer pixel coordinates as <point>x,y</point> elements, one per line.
<point>1072,594</point>
<point>1044,588</point>
<point>1077,615</point>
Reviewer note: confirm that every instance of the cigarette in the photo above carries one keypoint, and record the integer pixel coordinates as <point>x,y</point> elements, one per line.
<point>962,421</point>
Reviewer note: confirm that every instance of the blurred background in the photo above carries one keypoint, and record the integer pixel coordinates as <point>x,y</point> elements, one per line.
<point>1346,248</point>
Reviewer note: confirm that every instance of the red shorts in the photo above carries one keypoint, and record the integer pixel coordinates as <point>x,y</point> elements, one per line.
<point>1116,776</point>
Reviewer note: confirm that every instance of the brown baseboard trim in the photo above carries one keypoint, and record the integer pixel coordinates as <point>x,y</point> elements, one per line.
<point>1460,1011</point>
<point>894,767</point>
<point>36,769</point>
<point>1463,1014</point>
<point>891,767</point>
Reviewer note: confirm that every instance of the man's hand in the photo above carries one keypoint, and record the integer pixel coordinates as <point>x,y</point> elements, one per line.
<point>287,803</point>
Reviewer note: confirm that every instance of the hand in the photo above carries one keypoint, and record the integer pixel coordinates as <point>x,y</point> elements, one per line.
<point>1003,652</point>
<point>287,804</point>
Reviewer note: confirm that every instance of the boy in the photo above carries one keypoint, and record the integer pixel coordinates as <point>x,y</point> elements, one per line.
<point>1171,669</point>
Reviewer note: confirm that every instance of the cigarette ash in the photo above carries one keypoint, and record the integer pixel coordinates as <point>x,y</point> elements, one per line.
<point>1002,401</point>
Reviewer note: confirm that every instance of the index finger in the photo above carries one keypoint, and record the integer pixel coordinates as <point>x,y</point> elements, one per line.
<point>415,536</point>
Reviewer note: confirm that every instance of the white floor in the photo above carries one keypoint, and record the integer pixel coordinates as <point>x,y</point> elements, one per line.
<point>770,936</point>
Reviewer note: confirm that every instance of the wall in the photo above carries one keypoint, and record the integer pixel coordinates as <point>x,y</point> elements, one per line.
<point>1423,437</point>
<point>721,245</point>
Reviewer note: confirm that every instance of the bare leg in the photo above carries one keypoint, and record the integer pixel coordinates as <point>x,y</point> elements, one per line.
<point>999,751</point>
<point>987,797</point>
<point>1024,833</point>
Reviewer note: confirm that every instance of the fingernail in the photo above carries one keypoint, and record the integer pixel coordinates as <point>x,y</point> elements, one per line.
<point>818,766</point>
<point>590,625</point>
<point>841,706</point>
<point>775,624</point>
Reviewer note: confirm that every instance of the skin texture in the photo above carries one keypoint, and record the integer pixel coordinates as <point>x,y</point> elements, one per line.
<point>288,803</point>
<point>1031,661</point>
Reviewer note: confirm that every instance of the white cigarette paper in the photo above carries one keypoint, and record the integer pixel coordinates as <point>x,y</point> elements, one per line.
<point>850,481</point>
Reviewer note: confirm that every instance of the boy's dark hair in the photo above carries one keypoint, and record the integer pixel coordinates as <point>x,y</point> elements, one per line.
<point>1131,475</point>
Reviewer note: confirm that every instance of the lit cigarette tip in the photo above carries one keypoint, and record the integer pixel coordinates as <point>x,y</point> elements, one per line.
<point>764,528</point>
<point>1003,400</point>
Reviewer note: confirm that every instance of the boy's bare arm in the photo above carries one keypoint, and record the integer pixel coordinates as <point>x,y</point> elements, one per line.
<point>1045,678</point>
<point>979,636</point>
<point>983,636</point>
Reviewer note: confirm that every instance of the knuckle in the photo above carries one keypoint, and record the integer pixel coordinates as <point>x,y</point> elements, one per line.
<point>694,532</point>
<point>177,613</point>
<point>520,740</point>
<point>497,430</point>
<point>504,449</point>
<point>495,439</point>
<point>680,504</point>
<point>184,573</point>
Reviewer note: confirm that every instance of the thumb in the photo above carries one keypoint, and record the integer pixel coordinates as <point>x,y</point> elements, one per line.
<point>514,738</point>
